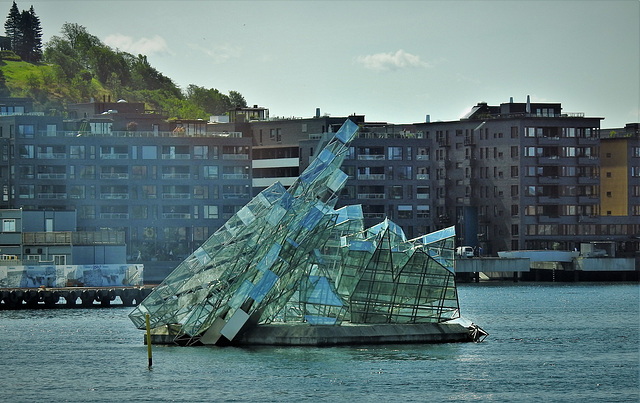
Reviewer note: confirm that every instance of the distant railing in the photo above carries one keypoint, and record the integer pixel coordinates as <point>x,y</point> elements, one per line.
<point>81,133</point>
<point>73,238</point>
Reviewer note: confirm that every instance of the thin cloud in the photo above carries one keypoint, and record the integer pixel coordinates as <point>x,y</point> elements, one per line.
<point>144,46</point>
<point>391,61</point>
<point>218,53</point>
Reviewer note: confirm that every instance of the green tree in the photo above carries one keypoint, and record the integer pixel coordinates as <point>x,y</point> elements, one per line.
<point>30,48</point>
<point>237,100</point>
<point>12,26</point>
<point>210,100</point>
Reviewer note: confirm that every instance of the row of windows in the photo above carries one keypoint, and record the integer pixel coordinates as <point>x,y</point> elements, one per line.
<point>557,132</point>
<point>136,172</point>
<point>582,229</point>
<point>144,212</point>
<point>29,151</point>
<point>582,152</point>
<point>396,192</point>
<point>124,192</point>
<point>393,153</point>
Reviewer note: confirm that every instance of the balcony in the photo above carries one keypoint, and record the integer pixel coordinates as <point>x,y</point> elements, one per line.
<point>182,216</point>
<point>176,156</point>
<point>370,195</point>
<point>371,157</point>
<point>52,156</point>
<point>235,176</point>
<point>114,175</point>
<point>545,141</point>
<point>588,180</point>
<point>371,176</point>
<point>377,216</point>
<point>176,195</point>
<point>47,238</point>
<point>235,195</point>
<point>423,196</point>
<point>548,179</point>
<point>124,216</point>
<point>114,196</point>
<point>422,177</point>
<point>235,156</point>
<point>548,200</point>
<point>548,219</point>
<point>592,160</point>
<point>113,156</point>
<point>52,176</point>
<point>176,176</point>
<point>549,160</point>
<point>590,199</point>
<point>52,196</point>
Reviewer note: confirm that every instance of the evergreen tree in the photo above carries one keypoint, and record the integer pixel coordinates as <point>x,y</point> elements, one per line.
<point>12,26</point>
<point>31,46</point>
<point>25,33</point>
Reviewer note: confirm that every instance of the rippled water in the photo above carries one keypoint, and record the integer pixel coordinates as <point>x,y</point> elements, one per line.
<point>548,342</point>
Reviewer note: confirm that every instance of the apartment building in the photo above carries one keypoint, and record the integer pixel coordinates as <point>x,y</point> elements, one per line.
<point>528,176</point>
<point>167,191</point>
<point>510,177</point>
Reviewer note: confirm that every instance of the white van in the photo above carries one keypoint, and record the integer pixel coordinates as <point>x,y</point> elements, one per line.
<point>464,251</point>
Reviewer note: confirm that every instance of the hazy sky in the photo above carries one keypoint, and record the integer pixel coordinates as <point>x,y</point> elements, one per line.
<point>392,61</point>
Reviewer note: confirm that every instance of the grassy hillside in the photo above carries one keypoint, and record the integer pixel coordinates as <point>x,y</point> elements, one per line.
<point>43,83</point>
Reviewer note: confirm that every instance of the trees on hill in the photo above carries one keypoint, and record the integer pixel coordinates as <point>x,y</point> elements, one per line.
<point>80,66</point>
<point>25,33</point>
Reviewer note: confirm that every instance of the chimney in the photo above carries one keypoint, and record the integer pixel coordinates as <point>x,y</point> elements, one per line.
<point>528,110</point>
<point>511,100</point>
<point>428,119</point>
<point>317,112</point>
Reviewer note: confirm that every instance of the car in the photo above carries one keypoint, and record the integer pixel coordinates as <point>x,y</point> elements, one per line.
<point>464,251</point>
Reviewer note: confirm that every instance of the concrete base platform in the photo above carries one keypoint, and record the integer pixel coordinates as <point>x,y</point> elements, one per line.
<point>349,334</point>
<point>346,334</point>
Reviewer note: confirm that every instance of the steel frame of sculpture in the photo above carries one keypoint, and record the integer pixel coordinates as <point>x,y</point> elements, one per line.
<point>289,256</point>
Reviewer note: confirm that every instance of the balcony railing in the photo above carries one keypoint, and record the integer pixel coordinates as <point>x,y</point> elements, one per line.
<point>114,196</point>
<point>185,216</point>
<point>114,176</point>
<point>52,156</point>
<point>235,156</point>
<point>235,176</point>
<point>176,195</point>
<point>176,176</point>
<point>176,156</point>
<point>52,196</point>
<point>371,176</point>
<point>114,215</point>
<point>371,157</point>
<point>112,156</point>
<point>370,195</point>
<point>52,176</point>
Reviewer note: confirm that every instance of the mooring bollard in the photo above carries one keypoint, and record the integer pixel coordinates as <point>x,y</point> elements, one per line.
<point>146,318</point>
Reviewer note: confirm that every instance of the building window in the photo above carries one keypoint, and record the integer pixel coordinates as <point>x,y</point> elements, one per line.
<point>200,152</point>
<point>149,152</point>
<point>405,211</point>
<point>211,172</point>
<point>394,153</point>
<point>210,212</point>
<point>514,210</point>
<point>9,225</point>
<point>514,171</point>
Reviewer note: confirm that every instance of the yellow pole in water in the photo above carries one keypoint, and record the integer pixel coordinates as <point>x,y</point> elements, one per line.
<point>146,317</point>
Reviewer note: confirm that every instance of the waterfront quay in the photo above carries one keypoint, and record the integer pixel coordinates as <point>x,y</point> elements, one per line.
<point>71,297</point>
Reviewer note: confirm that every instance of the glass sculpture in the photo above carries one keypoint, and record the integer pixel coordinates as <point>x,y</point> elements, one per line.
<point>290,256</point>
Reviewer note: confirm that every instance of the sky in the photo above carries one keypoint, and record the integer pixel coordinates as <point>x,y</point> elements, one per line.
<point>392,61</point>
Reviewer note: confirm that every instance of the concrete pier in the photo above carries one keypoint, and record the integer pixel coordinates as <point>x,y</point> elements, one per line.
<point>71,297</point>
<point>346,334</point>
